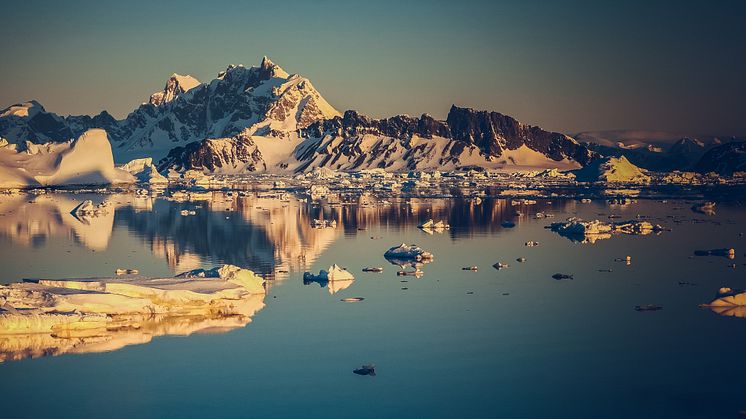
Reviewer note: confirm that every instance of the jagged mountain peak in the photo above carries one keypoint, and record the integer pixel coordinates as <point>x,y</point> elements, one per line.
<point>266,70</point>
<point>268,66</point>
<point>175,85</point>
<point>25,109</point>
<point>262,118</point>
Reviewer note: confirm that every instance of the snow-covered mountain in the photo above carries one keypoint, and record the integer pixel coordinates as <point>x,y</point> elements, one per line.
<point>264,99</point>
<point>354,142</point>
<point>653,150</point>
<point>176,85</point>
<point>264,119</point>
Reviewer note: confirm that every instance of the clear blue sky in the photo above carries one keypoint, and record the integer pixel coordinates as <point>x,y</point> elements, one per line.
<point>564,65</point>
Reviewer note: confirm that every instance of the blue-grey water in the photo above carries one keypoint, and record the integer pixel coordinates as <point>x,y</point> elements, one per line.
<point>452,343</point>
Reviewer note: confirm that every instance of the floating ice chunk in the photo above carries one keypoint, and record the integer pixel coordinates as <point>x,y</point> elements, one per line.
<point>405,251</point>
<point>729,253</point>
<point>368,369</point>
<point>707,208</point>
<point>728,302</point>
<point>103,302</point>
<point>434,225</point>
<point>335,278</point>
<point>334,273</point>
<point>589,231</point>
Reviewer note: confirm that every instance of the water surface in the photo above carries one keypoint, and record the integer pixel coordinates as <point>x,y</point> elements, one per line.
<point>452,343</point>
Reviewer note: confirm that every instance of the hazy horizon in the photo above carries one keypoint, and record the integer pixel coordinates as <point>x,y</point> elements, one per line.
<point>568,67</point>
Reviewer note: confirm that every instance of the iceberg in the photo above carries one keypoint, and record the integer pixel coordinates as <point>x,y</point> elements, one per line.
<point>335,273</point>
<point>82,315</point>
<point>87,160</point>
<point>335,278</point>
<point>408,252</point>
<point>576,229</point>
<point>430,226</point>
<point>728,302</point>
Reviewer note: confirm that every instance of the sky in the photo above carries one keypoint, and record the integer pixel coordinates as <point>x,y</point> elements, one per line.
<point>568,66</point>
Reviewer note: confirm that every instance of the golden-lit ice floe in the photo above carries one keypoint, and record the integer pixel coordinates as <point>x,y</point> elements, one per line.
<point>431,226</point>
<point>729,302</point>
<point>578,230</point>
<point>52,317</point>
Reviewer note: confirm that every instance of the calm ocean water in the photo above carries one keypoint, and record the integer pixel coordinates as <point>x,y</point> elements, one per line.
<point>452,343</point>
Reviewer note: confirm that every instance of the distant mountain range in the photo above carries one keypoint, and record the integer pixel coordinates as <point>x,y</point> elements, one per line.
<point>654,150</point>
<point>264,119</point>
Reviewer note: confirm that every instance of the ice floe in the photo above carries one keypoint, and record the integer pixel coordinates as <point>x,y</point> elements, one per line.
<point>577,229</point>
<point>408,252</point>
<point>44,316</point>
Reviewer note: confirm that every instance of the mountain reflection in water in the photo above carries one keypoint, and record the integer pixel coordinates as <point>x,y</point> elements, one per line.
<point>268,236</point>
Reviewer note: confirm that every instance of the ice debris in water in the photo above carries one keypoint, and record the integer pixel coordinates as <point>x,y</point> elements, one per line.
<point>368,369</point>
<point>728,302</point>
<point>334,273</point>
<point>405,251</point>
<point>729,253</point>
<point>590,231</point>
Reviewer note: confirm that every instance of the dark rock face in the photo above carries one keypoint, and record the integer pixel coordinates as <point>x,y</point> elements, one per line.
<point>221,108</point>
<point>494,132</point>
<point>345,143</point>
<point>214,154</point>
<point>724,159</point>
<point>400,126</point>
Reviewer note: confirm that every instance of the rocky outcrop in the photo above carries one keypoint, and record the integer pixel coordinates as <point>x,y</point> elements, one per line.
<point>176,85</point>
<point>238,153</point>
<point>495,133</point>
